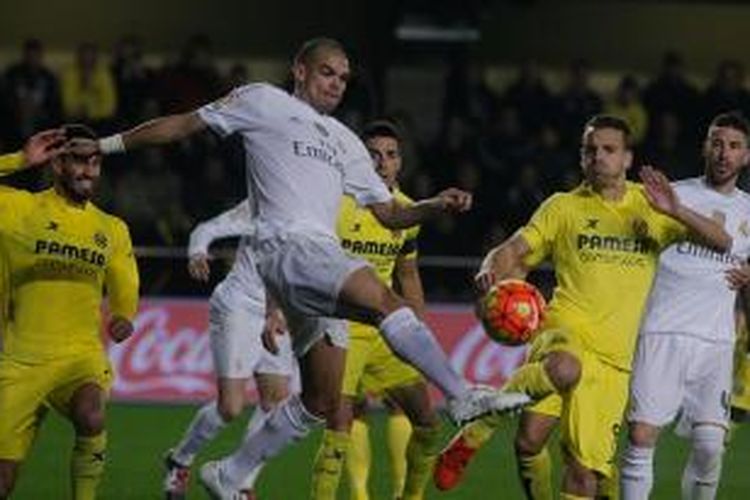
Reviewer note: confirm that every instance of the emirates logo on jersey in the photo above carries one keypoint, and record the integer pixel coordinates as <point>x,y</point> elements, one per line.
<point>100,239</point>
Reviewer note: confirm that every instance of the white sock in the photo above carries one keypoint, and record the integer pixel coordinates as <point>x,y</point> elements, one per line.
<point>254,425</point>
<point>413,341</point>
<point>636,472</point>
<point>700,479</point>
<point>205,426</point>
<point>288,422</point>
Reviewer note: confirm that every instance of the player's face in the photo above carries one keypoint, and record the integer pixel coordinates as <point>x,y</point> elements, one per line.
<point>78,175</point>
<point>726,152</point>
<point>386,153</point>
<point>321,81</point>
<point>605,157</point>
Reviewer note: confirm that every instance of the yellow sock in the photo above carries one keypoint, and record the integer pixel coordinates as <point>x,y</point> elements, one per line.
<point>87,465</point>
<point>531,379</point>
<point>328,464</point>
<point>480,431</point>
<point>421,454</point>
<point>398,432</point>
<point>536,475</point>
<point>570,496</point>
<point>609,487</point>
<point>358,460</point>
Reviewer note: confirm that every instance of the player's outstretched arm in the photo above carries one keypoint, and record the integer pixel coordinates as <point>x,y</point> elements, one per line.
<point>395,215</point>
<point>503,262</point>
<point>237,221</point>
<point>663,198</point>
<point>162,130</point>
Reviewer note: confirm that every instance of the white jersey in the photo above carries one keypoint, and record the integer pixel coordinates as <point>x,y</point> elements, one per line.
<point>690,294</point>
<point>299,162</point>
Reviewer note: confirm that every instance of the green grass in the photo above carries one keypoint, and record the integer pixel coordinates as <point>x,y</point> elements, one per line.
<point>139,435</point>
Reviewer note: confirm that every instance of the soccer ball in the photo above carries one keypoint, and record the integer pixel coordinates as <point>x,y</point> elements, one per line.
<point>511,311</point>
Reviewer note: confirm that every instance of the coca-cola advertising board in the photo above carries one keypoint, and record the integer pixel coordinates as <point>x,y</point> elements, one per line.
<point>168,358</point>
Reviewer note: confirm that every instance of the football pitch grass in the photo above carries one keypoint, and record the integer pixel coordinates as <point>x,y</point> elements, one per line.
<point>140,434</point>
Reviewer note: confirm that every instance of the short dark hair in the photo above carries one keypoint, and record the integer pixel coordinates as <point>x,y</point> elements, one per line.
<point>732,119</point>
<point>381,128</point>
<point>598,122</point>
<point>311,47</point>
<point>78,130</point>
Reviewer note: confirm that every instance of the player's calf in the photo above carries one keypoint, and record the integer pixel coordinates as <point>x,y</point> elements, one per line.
<point>8,474</point>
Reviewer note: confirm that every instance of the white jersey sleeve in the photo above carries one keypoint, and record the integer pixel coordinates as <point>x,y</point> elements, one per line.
<point>361,182</point>
<point>238,111</point>
<point>237,221</point>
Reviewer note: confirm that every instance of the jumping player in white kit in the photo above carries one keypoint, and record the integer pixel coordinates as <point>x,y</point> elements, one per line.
<point>683,363</point>
<point>300,161</point>
<point>236,319</point>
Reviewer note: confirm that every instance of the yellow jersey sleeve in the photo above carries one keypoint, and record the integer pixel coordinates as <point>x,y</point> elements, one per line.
<point>409,246</point>
<point>541,230</point>
<point>10,163</point>
<point>121,279</point>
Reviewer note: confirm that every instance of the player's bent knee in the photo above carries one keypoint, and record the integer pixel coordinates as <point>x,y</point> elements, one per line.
<point>229,410</point>
<point>643,435</point>
<point>89,423</point>
<point>563,369</point>
<point>527,445</point>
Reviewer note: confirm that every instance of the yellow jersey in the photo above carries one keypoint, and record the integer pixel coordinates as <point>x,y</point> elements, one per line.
<point>58,258</point>
<point>604,254</point>
<point>10,162</point>
<point>363,236</point>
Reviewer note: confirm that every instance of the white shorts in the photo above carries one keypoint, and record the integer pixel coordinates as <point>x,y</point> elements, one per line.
<point>307,330</point>
<point>304,271</point>
<point>237,315</point>
<point>675,372</point>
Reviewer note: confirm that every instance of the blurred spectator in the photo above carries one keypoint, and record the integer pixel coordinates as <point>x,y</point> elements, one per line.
<point>666,151</point>
<point>32,93</point>
<point>149,198</point>
<point>726,92</point>
<point>530,96</point>
<point>88,89</point>
<point>237,76</point>
<point>133,79</point>
<point>523,197</point>
<point>553,158</point>
<point>671,92</point>
<point>193,81</point>
<point>576,103</point>
<point>627,105</point>
<point>505,147</point>
<point>467,94</point>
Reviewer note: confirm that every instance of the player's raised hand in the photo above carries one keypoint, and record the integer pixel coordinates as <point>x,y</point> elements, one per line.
<point>199,267</point>
<point>275,325</point>
<point>738,277</point>
<point>43,146</point>
<point>455,200</point>
<point>119,329</point>
<point>484,280</point>
<point>659,191</point>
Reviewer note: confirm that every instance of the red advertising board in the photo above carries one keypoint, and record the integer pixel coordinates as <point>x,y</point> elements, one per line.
<point>168,359</point>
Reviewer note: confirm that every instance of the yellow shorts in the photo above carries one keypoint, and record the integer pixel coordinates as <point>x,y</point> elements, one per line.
<point>371,366</point>
<point>591,414</point>
<point>27,389</point>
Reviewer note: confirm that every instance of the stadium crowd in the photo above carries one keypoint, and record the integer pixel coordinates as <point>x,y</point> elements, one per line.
<point>522,137</point>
